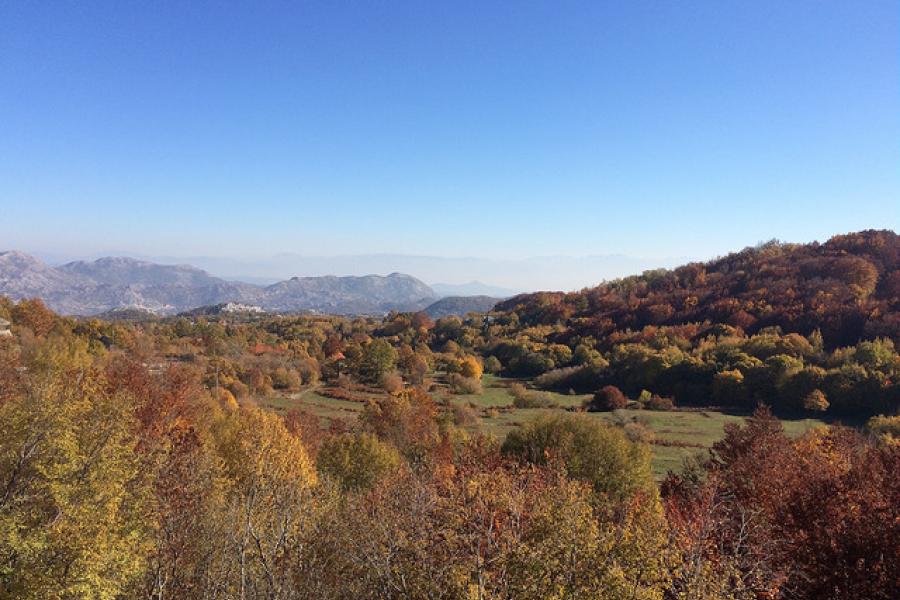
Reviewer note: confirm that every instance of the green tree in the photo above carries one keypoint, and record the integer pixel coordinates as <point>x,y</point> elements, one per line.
<point>378,358</point>
<point>590,449</point>
<point>357,460</point>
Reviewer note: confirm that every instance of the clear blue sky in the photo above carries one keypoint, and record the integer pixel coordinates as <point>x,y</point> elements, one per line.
<point>512,129</point>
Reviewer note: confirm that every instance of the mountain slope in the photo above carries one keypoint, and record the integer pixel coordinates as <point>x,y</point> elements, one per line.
<point>369,294</point>
<point>23,276</point>
<point>460,306</point>
<point>848,287</point>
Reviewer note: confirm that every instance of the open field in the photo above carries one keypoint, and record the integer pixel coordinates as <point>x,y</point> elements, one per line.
<point>678,434</point>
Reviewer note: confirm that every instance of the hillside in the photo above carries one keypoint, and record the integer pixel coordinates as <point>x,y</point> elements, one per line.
<point>369,294</point>
<point>805,329</point>
<point>460,306</point>
<point>848,288</point>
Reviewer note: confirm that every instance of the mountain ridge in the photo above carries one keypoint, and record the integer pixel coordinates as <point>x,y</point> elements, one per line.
<point>110,283</point>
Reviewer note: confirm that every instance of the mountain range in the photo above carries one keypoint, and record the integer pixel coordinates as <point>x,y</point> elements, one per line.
<point>446,275</point>
<point>94,287</point>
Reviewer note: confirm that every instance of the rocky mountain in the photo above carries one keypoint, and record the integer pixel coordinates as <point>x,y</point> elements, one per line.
<point>90,288</point>
<point>461,306</point>
<point>369,294</point>
<point>23,276</point>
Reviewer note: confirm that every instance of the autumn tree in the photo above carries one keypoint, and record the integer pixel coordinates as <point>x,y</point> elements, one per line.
<point>72,511</point>
<point>357,460</point>
<point>269,479</point>
<point>378,358</point>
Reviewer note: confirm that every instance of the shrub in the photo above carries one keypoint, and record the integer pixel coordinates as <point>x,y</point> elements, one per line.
<point>657,402</point>
<point>592,451</point>
<point>340,394</point>
<point>463,385</point>
<point>608,398</point>
<point>392,383</point>
<point>492,365</point>
<point>639,433</point>
<point>464,415</point>
<point>887,428</point>
<point>566,377</point>
<point>525,398</point>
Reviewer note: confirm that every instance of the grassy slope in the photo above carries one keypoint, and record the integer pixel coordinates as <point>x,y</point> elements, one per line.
<point>692,431</point>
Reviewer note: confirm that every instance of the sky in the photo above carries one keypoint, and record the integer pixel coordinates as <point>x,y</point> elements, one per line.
<point>484,129</point>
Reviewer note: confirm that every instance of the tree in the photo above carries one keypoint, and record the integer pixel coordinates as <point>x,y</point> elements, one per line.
<point>357,460</point>
<point>406,421</point>
<point>72,520</point>
<point>608,398</point>
<point>590,449</point>
<point>815,401</point>
<point>470,368</point>
<point>492,365</point>
<point>378,359</point>
<point>269,483</point>
<point>34,315</point>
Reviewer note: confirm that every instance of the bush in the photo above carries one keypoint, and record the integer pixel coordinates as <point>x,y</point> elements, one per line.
<point>638,433</point>
<point>463,385</point>
<point>464,415</point>
<point>657,402</point>
<point>887,428</point>
<point>525,398</point>
<point>592,451</point>
<point>392,383</point>
<point>492,365</point>
<point>566,377</point>
<point>608,398</point>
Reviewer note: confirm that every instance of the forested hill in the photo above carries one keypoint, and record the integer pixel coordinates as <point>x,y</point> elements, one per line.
<point>848,288</point>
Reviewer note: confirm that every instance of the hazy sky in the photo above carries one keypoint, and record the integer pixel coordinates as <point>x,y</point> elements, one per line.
<point>651,129</point>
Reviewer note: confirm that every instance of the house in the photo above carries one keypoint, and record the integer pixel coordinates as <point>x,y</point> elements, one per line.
<point>4,328</point>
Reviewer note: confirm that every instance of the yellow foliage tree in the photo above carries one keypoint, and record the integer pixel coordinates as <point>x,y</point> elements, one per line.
<point>471,367</point>
<point>270,479</point>
<point>73,503</point>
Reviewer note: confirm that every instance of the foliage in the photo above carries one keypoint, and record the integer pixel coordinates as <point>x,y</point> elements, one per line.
<point>357,460</point>
<point>525,398</point>
<point>72,520</point>
<point>135,462</point>
<point>608,398</point>
<point>590,450</point>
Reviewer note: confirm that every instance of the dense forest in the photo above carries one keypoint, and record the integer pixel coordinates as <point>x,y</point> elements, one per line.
<point>798,327</point>
<point>138,459</point>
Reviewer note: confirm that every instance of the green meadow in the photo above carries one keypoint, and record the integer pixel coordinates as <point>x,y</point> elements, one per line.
<point>677,435</point>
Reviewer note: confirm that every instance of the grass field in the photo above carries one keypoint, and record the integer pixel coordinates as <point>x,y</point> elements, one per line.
<point>678,434</point>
